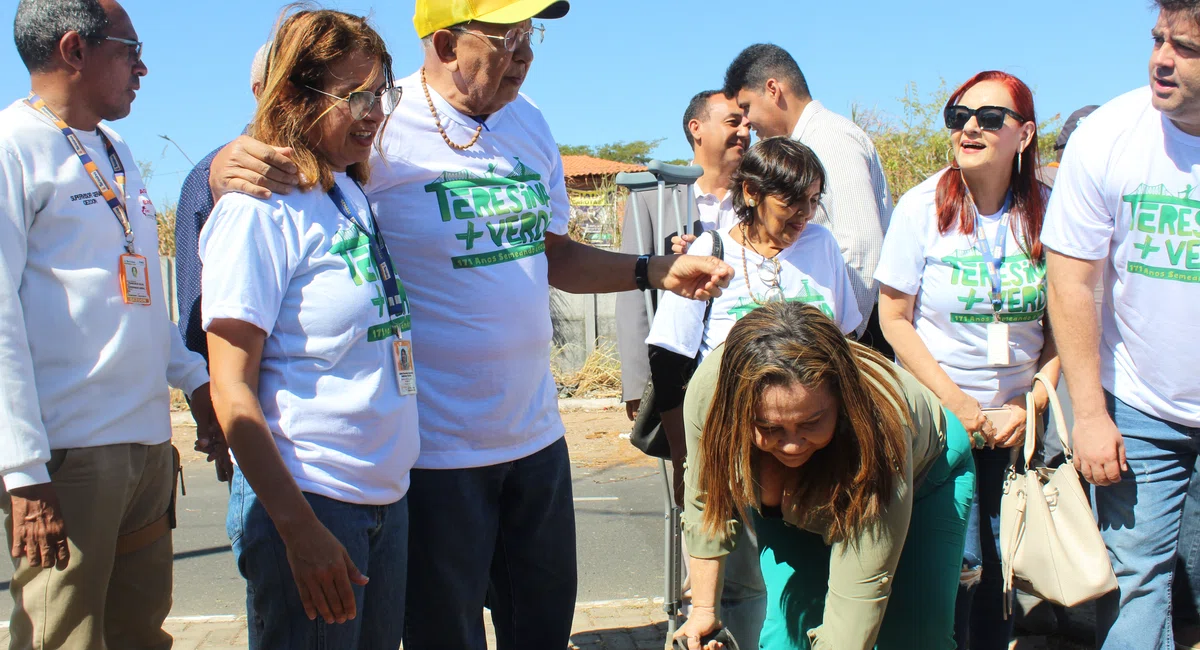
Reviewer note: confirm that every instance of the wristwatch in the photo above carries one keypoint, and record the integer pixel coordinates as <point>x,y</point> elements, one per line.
<point>641,272</point>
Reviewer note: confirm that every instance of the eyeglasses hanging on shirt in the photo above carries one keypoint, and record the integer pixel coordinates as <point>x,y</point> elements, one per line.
<point>132,268</point>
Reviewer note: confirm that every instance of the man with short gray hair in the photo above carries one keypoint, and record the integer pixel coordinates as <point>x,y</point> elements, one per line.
<point>86,348</point>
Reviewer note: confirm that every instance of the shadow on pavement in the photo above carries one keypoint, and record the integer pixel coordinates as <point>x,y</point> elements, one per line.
<point>641,637</point>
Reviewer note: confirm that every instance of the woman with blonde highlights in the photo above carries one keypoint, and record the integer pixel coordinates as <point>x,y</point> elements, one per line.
<point>855,478</point>
<point>310,355</point>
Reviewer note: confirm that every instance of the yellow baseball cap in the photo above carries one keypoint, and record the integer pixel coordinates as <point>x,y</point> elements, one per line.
<point>433,15</point>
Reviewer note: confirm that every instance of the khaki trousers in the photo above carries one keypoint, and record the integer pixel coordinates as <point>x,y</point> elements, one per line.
<point>102,600</point>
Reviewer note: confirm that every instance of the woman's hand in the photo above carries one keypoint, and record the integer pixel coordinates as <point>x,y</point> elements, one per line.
<point>323,572</point>
<point>1013,433</point>
<point>702,622</point>
<point>967,410</point>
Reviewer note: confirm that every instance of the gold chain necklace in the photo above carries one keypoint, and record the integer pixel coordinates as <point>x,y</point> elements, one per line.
<point>774,290</point>
<point>438,122</point>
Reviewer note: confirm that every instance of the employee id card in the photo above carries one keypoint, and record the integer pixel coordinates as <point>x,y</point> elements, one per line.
<point>406,375</point>
<point>997,343</point>
<point>135,281</point>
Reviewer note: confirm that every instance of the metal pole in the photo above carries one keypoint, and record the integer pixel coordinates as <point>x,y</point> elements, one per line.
<point>671,596</point>
<point>691,202</point>
<point>641,242</point>
<point>658,234</point>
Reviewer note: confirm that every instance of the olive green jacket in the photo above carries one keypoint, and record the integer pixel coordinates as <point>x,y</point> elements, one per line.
<point>860,569</point>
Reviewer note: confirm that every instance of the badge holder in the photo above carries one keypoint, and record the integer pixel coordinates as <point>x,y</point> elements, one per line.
<point>135,280</point>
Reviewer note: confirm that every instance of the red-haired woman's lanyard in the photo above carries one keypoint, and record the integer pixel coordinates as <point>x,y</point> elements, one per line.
<point>402,359</point>
<point>135,282</point>
<point>993,258</point>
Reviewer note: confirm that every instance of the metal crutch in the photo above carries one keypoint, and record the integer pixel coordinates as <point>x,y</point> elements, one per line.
<point>659,177</point>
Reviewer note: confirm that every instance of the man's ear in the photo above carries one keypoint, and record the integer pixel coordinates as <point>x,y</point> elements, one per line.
<point>71,48</point>
<point>445,45</point>
<point>773,89</point>
<point>694,129</point>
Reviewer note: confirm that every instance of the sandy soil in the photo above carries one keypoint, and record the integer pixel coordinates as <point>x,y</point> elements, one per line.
<point>592,436</point>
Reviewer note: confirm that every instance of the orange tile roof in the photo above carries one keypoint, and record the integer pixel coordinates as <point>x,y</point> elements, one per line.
<point>575,166</point>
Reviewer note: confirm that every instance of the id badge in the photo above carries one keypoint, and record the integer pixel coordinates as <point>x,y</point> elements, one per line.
<point>135,281</point>
<point>997,344</point>
<point>406,375</point>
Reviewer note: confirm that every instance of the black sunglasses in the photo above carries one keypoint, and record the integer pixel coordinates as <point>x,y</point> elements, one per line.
<point>990,118</point>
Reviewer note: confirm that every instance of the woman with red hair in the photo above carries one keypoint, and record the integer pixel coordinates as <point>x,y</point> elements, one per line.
<point>962,301</point>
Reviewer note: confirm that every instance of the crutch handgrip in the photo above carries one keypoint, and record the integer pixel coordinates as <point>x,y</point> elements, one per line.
<point>675,174</point>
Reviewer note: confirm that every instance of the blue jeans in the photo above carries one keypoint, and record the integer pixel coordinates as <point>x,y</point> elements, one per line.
<point>375,537</point>
<point>1185,596</point>
<point>501,536</point>
<point>1140,522</point>
<point>979,622</point>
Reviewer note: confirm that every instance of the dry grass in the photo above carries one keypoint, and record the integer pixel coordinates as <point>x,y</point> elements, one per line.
<point>600,375</point>
<point>178,400</point>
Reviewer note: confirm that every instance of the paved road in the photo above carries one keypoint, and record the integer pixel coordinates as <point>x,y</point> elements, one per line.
<point>619,525</point>
<point>618,519</point>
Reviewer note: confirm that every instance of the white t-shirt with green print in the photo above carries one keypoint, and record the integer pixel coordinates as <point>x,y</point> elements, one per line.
<point>297,269</point>
<point>949,278</point>
<point>812,270</point>
<point>1126,193</point>
<point>467,230</point>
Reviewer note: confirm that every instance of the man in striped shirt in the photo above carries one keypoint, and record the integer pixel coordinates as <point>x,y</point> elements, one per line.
<point>768,85</point>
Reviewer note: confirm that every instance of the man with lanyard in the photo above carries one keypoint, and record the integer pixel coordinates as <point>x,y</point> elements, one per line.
<point>86,347</point>
<point>473,204</point>
<point>1124,214</point>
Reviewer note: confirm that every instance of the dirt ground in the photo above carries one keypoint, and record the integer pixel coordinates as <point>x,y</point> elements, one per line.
<point>594,438</point>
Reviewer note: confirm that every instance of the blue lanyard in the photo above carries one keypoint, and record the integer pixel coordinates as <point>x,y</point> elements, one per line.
<point>379,252</point>
<point>993,255</point>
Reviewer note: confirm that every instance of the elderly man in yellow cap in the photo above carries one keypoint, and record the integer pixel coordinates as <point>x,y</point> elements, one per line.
<point>472,203</point>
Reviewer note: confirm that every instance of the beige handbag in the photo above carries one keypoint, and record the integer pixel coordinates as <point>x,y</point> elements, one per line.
<point>1049,541</point>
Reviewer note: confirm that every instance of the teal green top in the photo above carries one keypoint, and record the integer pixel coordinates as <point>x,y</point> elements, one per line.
<point>861,569</point>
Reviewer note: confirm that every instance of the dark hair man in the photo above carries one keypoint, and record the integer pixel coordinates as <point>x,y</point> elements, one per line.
<point>768,85</point>
<point>86,348</point>
<point>716,130</point>
<point>1124,209</point>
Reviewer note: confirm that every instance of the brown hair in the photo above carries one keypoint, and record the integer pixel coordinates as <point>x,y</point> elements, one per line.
<point>305,44</point>
<point>844,486</point>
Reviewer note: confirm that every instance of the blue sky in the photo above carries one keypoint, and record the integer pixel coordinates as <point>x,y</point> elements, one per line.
<point>625,69</point>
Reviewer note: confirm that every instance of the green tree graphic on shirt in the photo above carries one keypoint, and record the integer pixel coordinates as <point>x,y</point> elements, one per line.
<point>355,250</point>
<point>1022,284</point>
<point>808,295</point>
<point>505,216</point>
<point>1165,233</point>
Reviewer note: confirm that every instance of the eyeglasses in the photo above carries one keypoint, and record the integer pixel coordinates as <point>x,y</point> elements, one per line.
<point>989,118</point>
<point>768,273</point>
<point>362,102</point>
<point>513,38</point>
<point>135,46</point>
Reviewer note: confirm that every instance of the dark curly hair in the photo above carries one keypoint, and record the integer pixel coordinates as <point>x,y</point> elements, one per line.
<point>779,167</point>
